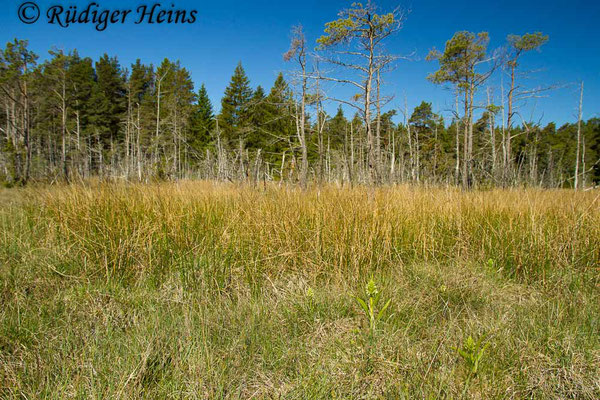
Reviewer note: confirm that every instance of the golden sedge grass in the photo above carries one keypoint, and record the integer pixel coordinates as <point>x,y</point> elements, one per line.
<point>206,290</point>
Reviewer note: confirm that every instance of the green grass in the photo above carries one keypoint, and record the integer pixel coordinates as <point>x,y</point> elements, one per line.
<point>202,290</point>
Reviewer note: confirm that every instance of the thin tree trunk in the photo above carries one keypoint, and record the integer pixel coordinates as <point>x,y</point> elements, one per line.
<point>577,156</point>
<point>492,136</point>
<point>63,131</point>
<point>471,176</point>
<point>351,153</point>
<point>465,172</point>
<point>509,122</point>
<point>320,126</point>
<point>138,145</point>
<point>304,162</point>
<point>371,162</point>
<point>411,152</point>
<point>378,162</point>
<point>583,171</point>
<point>457,169</point>
<point>505,161</point>
<point>26,138</point>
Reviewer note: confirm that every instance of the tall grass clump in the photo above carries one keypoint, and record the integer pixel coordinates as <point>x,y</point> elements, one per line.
<point>132,230</point>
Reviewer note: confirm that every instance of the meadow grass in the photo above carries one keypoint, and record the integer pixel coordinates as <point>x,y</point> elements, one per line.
<point>206,290</point>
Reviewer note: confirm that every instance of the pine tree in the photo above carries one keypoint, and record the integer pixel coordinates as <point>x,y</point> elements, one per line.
<point>108,102</point>
<point>258,118</point>
<point>202,121</point>
<point>54,72</point>
<point>336,129</point>
<point>235,110</point>
<point>176,96</point>
<point>594,142</point>
<point>457,66</point>
<point>140,81</point>
<point>80,83</point>
<point>16,64</point>
<point>280,126</point>
<point>140,113</point>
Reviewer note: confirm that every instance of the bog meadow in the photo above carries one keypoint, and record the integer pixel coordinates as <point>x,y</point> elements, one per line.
<point>318,240</point>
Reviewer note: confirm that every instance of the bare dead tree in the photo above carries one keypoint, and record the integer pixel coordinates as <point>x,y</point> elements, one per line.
<point>297,51</point>
<point>517,46</point>
<point>577,152</point>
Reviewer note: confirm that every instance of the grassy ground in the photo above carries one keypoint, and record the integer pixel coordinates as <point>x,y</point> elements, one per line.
<point>198,290</point>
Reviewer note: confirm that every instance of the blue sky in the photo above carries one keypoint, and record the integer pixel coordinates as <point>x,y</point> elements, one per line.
<point>257,33</point>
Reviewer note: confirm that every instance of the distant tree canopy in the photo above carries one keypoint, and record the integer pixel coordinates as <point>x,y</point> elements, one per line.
<point>70,118</point>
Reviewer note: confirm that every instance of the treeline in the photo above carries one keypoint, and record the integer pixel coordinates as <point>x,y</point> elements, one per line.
<point>72,118</point>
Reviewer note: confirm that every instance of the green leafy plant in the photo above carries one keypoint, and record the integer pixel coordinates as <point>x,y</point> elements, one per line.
<point>310,295</point>
<point>472,352</point>
<point>370,303</point>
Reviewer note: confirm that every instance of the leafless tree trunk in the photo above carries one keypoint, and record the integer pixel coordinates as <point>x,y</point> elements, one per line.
<point>505,161</point>
<point>465,171</point>
<point>393,158</point>
<point>509,122</point>
<point>138,144</point>
<point>26,130</point>
<point>63,125</point>
<point>320,127</point>
<point>492,135</point>
<point>457,169</point>
<point>351,153</point>
<point>378,162</point>
<point>298,50</point>
<point>411,152</point>
<point>577,156</point>
<point>157,133</point>
<point>128,132</point>
<point>583,170</point>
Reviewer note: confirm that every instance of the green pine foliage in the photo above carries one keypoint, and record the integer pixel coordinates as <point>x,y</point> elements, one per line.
<point>235,107</point>
<point>202,122</point>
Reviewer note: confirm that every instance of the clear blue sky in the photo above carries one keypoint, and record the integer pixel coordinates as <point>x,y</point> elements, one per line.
<point>257,33</point>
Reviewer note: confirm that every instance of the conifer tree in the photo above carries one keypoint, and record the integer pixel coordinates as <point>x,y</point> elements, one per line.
<point>175,98</point>
<point>16,64</point>
<point>81,80</point>
<point>202,121</point>
<point>140,111</point>
<point>235,107</point>
<point>279,127</point>
<point>108,103</point>
<point>462,54</point>
<point>280,108</point>
<point>257,137</point>
<point>336,129</point>
<point>357,37</point>
<point>57,103</point>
